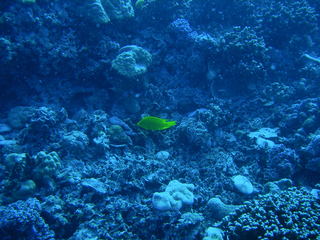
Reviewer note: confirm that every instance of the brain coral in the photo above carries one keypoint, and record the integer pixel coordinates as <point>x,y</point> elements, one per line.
<point>103,11</point>
<point>132,61</point>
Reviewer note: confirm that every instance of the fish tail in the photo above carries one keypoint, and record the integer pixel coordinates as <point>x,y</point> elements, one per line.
<point>171,123</point>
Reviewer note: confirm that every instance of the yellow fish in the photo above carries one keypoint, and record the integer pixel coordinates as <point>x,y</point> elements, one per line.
<point>155,123</point>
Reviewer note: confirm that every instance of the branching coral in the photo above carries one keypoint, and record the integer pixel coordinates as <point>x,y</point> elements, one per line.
<point>291,214</point>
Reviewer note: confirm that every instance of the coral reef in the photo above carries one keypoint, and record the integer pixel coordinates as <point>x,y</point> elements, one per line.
<point>237,80</point>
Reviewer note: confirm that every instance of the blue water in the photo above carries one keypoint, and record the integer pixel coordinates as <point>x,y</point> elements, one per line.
<point>226,94</point>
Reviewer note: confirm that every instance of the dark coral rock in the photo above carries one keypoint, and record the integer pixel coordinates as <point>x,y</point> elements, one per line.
<point>296,17</point>
<point>245,54</point>
<point>282,162</point>
<point>22,220</point>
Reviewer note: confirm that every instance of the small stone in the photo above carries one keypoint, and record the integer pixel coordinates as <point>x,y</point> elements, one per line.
<point>162,155</point>
<point>94,184</point>
<point>4,128</point>
<point>243,184</point>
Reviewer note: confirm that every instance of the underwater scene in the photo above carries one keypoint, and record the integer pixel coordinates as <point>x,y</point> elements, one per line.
<point>159,119</point>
